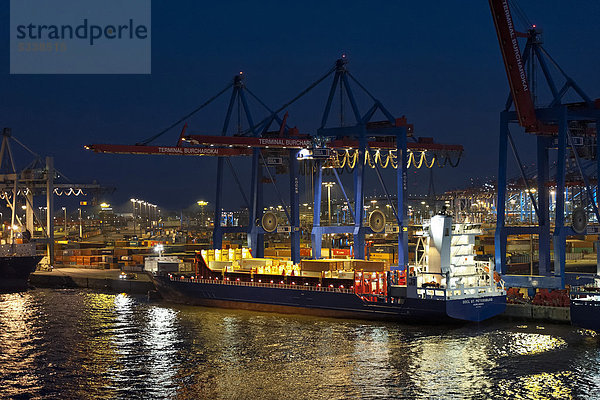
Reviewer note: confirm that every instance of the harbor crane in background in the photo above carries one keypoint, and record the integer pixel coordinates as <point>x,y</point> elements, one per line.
<point>18,189</point>
<point>560,125</point>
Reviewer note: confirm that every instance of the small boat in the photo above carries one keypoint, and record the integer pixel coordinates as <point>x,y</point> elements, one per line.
<point>585,306</point>
<point>444,285</point>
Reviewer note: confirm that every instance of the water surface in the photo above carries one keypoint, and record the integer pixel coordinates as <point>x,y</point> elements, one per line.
<point>78,344</point>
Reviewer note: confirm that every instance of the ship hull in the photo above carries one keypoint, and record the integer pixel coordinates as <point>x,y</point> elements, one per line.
<point>15,271</point>
<point>325,303</point>
<point>476,309</point>
<point>585,313</point>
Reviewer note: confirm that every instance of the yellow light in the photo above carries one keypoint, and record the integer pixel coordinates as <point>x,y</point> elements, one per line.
<point>104,205</point>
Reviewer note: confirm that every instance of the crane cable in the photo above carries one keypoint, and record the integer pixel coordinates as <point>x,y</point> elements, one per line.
<point>180,120</point>
<point>292,101</point>
<point>521,14</point>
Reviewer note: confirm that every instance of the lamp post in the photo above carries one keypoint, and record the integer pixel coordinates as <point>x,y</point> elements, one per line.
<point>133,201</point>
<point>145,213</point>
<point>329,185</point>
<point>142,203</point>
<point>65,210</point>
<point>80,225</point>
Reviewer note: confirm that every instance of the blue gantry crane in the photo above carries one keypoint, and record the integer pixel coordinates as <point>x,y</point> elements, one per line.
<point>360,132</point>
<point>364,144</point>
<point>559,125</point>
<point>242,143</point>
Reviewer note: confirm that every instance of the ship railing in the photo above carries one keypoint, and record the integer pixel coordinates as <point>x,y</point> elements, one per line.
<point>457,293</point>
<point>432,293</point>
<point>274,285</point>
<point>372,297</point>
<point>471,291</point>
<point>581,292</point>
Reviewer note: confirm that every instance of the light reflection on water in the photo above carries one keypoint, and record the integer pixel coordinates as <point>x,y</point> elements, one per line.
<point>81,344</point>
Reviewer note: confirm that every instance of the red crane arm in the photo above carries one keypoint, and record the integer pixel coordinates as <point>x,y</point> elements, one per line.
<point>514,65</point>
<point>247,141</point>
<point>238,146</point>
<point>304,143</point>
<point>167,150</point>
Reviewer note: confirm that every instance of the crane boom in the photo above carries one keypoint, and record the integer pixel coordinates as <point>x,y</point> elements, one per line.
<point>515,67</point>
<point>167,150</point>
<point>306,143</point>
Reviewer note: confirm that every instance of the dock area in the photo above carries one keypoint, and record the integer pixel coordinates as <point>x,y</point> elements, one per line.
<point>532,312</point>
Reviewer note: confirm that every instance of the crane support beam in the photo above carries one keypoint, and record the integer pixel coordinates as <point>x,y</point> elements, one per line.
<point>243,141</point>
<point>167,150</point>
<point>295,143</point>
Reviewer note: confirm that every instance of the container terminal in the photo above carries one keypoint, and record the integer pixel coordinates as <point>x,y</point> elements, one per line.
<point>538,231</point>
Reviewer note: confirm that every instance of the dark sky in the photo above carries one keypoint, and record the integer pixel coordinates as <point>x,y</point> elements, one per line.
<point>436,62</point>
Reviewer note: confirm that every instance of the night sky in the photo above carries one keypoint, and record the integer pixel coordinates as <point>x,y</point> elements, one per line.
<point>438,63</point>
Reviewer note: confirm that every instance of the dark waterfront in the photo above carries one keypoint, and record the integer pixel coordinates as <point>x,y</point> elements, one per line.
<point>81,344</point>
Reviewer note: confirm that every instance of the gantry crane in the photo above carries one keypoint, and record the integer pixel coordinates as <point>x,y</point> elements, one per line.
<point>367,143</point>
<point>554,126</point>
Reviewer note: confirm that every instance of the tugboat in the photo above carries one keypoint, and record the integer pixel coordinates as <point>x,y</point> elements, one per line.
<point>446,284</point>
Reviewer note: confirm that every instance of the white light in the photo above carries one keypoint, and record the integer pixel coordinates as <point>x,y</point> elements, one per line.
<point>304,153</point>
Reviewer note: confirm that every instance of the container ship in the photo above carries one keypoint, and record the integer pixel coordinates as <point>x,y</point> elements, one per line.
<point>445,284</point>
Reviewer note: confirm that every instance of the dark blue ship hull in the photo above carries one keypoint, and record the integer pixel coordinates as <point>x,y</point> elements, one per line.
<point>585,314</point>
<point>15,271</point>
<point>340,304</point>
